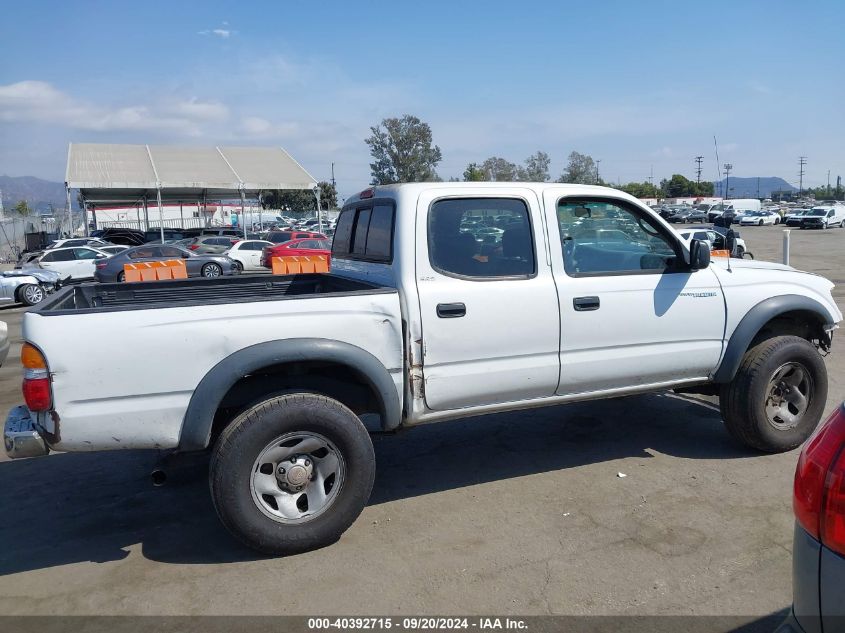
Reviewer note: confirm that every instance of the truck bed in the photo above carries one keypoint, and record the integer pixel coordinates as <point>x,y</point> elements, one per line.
<point>113,297</point>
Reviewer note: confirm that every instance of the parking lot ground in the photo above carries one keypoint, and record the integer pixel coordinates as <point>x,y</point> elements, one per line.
<point>518,513</point>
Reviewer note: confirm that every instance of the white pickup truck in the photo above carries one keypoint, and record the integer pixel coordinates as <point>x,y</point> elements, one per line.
<point>445,300</point>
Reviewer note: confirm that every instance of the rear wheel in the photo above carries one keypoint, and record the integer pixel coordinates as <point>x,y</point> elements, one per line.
<point>211,270</point>
<point>778,395</point>
<point>121,277</point>
<point>292,473</point>
<point>30,294</point>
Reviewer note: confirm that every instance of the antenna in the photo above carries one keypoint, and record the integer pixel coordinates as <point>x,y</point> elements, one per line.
<point>718,171</point>
<point>802,160</point>
<point>698,160</point>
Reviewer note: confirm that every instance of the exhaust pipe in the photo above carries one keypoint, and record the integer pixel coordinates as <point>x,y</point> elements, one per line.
<point>158,477</point>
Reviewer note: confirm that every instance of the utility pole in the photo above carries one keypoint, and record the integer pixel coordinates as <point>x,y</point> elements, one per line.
<point>802,160</point>
<point>334,184</point>
<point>728,168</point>
<point>758,187</point>
<point>597,171</point>
<point>698,160</point>
<point>828,183</point>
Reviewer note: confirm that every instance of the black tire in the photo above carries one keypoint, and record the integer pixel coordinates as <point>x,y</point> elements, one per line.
<point>121,277</point>
<point>211,271</point>
<point>743,401</point>
<point>239,267</point>
<point>30,294</point>
<point>760,223</point>
<point>244,439</point>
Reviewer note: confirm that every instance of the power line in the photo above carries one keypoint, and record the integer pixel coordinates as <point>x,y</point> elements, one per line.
<point>698,160</point>
<point>802,160</point>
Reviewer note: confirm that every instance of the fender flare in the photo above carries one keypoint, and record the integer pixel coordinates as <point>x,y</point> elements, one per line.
<point>196,425</point>
<point>753,322</point>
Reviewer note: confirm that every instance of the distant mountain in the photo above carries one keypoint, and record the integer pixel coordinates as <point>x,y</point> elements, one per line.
<point>40,194</point>
<point>748,187</point>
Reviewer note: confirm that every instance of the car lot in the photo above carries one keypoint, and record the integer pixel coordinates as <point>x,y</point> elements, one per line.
<point>515,513</point>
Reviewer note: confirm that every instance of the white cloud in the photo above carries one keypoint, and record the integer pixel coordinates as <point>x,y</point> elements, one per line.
<point>224,34</point>
<point>41,102</point>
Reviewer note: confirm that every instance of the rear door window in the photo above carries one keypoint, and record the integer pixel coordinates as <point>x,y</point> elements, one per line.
<point>364,232</point>
<point>58,256</point>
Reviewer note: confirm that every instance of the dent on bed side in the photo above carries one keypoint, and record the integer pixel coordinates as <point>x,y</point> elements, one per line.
<point>197,424</point>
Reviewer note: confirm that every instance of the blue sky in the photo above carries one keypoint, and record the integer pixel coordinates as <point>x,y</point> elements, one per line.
<point>635,84</point>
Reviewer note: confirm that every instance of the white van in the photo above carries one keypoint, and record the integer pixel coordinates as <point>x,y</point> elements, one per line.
<point>824,217</point>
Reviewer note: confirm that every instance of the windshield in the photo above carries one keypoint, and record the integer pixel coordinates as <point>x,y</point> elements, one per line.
<point>816,212</point>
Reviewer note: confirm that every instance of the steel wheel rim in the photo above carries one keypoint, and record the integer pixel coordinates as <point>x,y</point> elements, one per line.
<point>788,396</point>
<point>212,270</point>
<point>33,294</point>
<point>297,477</point>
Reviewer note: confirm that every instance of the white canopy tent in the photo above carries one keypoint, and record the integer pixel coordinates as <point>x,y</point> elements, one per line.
<point>108,174</point>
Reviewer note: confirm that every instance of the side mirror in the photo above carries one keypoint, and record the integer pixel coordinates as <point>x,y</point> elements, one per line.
<point>699,254</point>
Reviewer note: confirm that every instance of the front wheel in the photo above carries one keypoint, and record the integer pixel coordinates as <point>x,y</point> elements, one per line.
<point>30,294</point>
<point>292,473</point>
<point>211,270</point>
<point>777,397</point>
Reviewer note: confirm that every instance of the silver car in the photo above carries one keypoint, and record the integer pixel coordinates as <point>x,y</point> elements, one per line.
<point>28,286</point>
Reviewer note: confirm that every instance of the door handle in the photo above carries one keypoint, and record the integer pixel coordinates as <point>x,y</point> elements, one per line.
<point>585,304</point>
<point>451,310</point>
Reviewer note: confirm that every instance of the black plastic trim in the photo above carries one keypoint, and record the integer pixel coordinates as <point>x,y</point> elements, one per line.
<point>753,322</point>
<point>196,427</point>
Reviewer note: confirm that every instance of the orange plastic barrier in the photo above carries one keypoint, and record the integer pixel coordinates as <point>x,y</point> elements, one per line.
<point>296,264</point>
<point>720,253</point>
<point>150,271</point>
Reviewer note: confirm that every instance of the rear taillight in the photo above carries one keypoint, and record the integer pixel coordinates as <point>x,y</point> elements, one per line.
<point>832,526</point>
<point>36,379</point>
<point>819,491</point>
<point>194,247</point>
<point>101,265</point>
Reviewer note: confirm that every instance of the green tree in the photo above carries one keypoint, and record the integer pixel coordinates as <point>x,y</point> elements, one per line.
<point>640,189</point>
<point>498,169</point>
<point>23,209</point>
<point>289,200</point>
<point>300,200</point>
<point>536,168</point>
<point>328,195</point>
<point>473,173</point>
<point>580,169</point>
<point>402,151</point>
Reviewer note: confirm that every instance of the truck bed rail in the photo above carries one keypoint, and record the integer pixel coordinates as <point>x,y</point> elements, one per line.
<point>110,297</point>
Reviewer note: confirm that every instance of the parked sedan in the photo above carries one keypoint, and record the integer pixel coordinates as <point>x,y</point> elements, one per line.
<point>759,218</point>
<point>818,549</point>
<point>77,262</point>
<point>247,254</point>
<point>311,246</point>
<point>210,244</point>
<point>28,287</point>
<point>111,269</point>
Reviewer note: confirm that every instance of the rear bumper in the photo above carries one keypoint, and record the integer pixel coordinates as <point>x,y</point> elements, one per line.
<point>20,437</point>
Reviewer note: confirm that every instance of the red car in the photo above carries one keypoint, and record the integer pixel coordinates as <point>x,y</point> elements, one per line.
<point>308,246</point>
